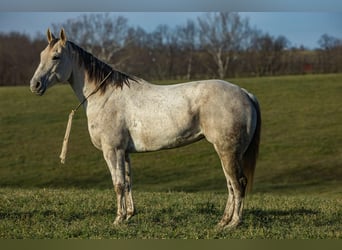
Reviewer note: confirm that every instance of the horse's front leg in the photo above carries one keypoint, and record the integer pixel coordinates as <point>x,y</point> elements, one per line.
<point>128,188</point>
<point>115,159</point>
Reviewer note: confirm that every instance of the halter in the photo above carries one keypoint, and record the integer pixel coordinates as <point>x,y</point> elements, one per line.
<point>71,116</point>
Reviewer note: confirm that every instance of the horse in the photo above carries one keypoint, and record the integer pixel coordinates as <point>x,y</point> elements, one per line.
<point>127,114</point>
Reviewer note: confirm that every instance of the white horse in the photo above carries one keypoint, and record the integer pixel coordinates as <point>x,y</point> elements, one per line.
<point>127,114</point>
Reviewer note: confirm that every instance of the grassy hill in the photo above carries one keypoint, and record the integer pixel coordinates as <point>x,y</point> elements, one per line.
<point>300,147</point>
<point>297,188</point>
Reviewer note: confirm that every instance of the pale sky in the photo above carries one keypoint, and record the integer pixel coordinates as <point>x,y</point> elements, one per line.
<point>301,28</point>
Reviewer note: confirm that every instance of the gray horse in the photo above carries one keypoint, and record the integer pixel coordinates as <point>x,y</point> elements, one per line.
<point>127,114</point>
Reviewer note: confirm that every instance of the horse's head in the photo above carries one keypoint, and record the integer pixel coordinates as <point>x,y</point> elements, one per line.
<point>55,64</point>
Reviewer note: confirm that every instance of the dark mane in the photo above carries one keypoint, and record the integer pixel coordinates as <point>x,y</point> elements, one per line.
<point>98,70</point>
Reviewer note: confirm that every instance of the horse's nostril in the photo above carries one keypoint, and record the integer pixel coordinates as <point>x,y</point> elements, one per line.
<point>38,84</point>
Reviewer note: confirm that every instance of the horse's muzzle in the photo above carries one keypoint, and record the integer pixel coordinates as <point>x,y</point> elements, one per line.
<point>37,87</point>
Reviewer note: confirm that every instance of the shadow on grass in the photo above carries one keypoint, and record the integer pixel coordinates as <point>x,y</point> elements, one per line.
<point>49,213</point>
<point>268,218</point>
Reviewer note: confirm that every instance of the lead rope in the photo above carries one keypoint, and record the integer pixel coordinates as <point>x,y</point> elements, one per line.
<point>71,116</point>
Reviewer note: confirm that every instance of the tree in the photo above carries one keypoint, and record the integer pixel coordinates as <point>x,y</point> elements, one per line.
<point>266,53</point>
<point>100,34</point>
<point>19,56</point>
<point>163,49</point>
<point>214,45</point>
<point>187,36</point>
<point>328,42</point>
<point>222,35</point>
<point>330,54</point>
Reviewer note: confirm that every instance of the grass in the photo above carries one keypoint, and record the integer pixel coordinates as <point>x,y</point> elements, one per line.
<point>89,213</point>
<point>297,187</point>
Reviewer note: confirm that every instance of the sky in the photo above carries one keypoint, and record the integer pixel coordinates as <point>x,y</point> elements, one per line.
<point>301,28</point>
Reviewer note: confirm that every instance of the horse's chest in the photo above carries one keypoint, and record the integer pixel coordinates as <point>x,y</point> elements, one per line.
<point>95,133</point>
<point>105,128</point>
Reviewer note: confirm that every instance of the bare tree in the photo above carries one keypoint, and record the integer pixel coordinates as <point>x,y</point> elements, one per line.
<point>328,42</point>
<point>163,49</point>
<point>330,54</point>
<point>18,57</point>
<point>222,36</point>
<point>102,34</point>
<point>187,36</point>
<point>214,45</point>
<point>266,53</point>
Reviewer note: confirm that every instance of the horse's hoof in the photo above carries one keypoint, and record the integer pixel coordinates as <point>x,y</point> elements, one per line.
<point>129,216</point>
<point>118,220</point>
<point>221,225</point>
<point>232,224</point>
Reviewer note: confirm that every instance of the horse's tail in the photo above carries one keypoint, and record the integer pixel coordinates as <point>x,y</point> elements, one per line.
<point>250,156</point>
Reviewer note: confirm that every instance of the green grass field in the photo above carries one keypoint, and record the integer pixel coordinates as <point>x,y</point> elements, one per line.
<point>179,193</point>
<point>89,213</point>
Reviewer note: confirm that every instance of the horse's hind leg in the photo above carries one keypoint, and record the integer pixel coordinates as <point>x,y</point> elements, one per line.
<point>236,183</point>
<point>228,211</point>
<point>128,188</point>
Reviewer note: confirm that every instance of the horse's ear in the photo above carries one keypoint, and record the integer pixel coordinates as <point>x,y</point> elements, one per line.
<point>50,36</point>
<point>62,36</point>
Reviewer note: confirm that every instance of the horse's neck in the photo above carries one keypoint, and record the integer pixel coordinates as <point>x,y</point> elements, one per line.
<point>84,88</point>
<point>79,84</point>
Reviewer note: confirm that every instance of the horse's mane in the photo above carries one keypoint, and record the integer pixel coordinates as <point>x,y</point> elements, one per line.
<point>98,70</point>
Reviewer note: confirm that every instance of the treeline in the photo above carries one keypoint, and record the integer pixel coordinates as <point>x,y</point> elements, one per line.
<point>215,45</point>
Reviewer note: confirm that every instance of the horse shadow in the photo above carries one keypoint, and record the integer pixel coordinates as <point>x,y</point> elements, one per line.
<point>258,217</point>
<point>269,217</point>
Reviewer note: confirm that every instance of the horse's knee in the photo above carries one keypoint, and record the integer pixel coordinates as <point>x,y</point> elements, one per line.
<point>119,188</point>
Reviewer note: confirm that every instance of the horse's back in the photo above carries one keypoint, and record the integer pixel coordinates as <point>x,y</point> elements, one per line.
<point>224,110</point>
<point>215,100</point>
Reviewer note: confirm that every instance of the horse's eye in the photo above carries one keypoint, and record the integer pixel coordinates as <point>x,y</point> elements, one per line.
<point>56,57</point>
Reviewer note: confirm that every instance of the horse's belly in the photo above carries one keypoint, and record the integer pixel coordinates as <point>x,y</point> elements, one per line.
<point>145,142</point>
